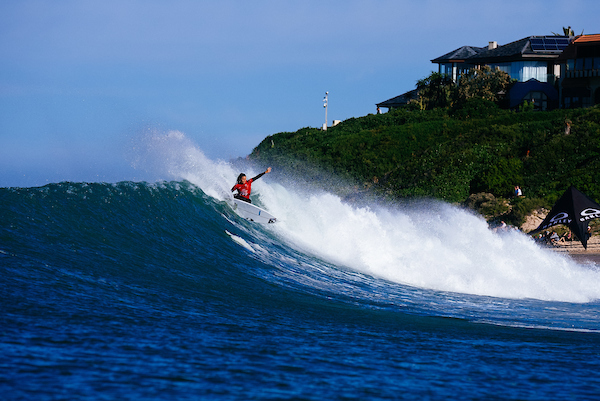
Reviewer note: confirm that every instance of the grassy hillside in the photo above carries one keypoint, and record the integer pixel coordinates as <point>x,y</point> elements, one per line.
<point>450,155</point>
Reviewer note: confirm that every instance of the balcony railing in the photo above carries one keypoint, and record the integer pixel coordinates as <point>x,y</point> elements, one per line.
<point>582,73</point>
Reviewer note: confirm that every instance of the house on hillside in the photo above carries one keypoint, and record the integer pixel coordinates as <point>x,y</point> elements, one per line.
<point>455,63</point>
<point>452,64</point>
<point>531,57</point>
<point>580,72</point>
<point>532,61</point>
<point>399,101</point>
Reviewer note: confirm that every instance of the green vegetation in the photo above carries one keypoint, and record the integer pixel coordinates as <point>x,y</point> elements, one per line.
<point>450,153</point>
<point>439,91</point>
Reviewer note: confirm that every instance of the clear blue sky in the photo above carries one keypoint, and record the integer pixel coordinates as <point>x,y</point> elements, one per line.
<point>80,79</point>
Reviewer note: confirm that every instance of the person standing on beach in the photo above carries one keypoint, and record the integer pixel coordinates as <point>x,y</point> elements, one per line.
<point>518,191</point>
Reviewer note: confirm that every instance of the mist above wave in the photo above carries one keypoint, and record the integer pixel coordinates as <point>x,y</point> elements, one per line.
<point>425,244</point>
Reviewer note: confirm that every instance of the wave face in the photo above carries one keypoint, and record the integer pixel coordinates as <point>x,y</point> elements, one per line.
<point>158,290</point>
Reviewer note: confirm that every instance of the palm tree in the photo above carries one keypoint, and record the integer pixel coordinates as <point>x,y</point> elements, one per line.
<point>566,32</point>
<point>435,91</point>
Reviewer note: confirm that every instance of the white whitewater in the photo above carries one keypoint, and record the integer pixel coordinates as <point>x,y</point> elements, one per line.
<point>432,245</point>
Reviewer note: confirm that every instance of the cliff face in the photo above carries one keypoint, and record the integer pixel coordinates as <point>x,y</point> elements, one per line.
<point>533,220</point>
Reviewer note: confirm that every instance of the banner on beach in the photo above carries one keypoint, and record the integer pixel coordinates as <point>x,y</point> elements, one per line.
<point>575,210</point>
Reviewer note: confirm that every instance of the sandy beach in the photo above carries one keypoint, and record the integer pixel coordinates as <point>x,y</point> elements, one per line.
<point>573,248</point>
<point>577,252</point>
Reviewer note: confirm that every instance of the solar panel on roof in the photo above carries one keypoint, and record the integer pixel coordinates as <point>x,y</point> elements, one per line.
<point>537,44</point>
<point>548,44</point>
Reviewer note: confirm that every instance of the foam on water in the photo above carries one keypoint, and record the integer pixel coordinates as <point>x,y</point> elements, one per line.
<point>429,245</point>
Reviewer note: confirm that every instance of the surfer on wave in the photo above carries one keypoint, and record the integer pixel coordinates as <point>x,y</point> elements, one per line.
<point>244,186</point>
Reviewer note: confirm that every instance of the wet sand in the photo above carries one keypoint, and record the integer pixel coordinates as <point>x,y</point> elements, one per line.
<point>577,252</point>
<point>586,257</point>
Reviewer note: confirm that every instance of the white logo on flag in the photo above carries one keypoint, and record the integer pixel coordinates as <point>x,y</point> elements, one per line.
<point>589,213</point>
<point>559,217</point>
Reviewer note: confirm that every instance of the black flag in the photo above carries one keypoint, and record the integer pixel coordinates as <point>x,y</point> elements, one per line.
<point>574,209</point>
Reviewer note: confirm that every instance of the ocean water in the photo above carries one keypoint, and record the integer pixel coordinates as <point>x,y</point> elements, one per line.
<point>137,290</point>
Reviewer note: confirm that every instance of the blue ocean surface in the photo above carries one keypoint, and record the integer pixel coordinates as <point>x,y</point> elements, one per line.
<point>137,290</point>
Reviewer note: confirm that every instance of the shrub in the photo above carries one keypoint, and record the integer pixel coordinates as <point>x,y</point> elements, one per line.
<point>475,108</point>
<point>487,204</point>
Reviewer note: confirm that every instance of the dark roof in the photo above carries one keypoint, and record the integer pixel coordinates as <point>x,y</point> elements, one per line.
<point>401,100</point>
<point>460,54</point>
<point>506,51</point>
<point>519,50</point>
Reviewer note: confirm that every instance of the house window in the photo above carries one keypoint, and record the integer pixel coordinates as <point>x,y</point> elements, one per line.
<point>535,69</point>
<point>596,63</point>
<point>462,70</point>
<point>504,67</point>
<point>523,71</point>
<point>573,102</point>
<point>570,65</point>
<point>446,69</point>
<point>539,100</point>
<point>587,63</point>
<point>579,64</point>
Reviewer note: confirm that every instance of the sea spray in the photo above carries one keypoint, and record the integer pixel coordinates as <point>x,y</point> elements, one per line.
<point>173,156</point>
<point>427,244</point>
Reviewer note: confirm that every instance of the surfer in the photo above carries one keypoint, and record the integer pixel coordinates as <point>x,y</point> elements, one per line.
<point>244,186</point>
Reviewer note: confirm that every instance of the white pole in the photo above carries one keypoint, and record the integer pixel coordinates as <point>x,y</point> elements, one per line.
<point>325,105</point>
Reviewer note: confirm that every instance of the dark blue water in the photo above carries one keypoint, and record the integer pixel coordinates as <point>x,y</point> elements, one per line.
<point>137,291</point>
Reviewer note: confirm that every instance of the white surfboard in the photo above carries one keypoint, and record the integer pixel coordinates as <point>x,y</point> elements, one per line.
<point>252,212</point>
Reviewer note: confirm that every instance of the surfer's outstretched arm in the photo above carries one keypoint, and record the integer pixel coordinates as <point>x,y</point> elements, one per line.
<point>261,174</point>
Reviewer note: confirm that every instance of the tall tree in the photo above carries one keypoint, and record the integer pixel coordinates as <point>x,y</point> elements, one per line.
<point>485,83</point>
<point>435,91</point>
